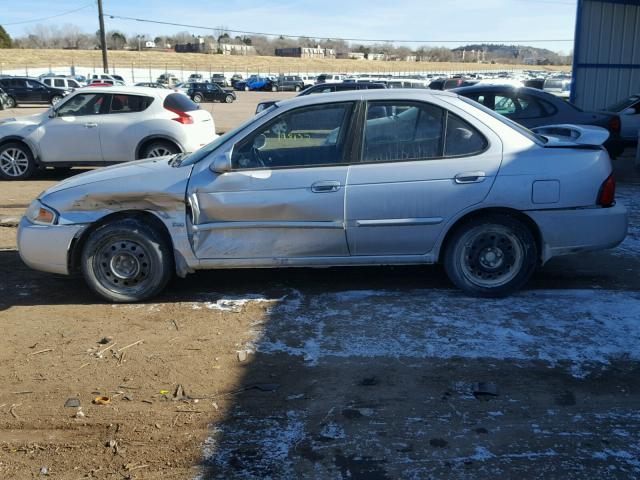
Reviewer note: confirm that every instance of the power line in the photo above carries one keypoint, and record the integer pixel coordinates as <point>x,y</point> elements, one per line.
<point>42,19</point>
<point>371,40</point>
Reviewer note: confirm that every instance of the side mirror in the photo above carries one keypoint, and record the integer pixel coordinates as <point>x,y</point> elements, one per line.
<point>221,163</point>
<point>629,111</point>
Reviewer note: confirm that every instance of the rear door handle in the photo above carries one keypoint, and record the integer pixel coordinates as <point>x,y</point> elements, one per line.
<point>470,177</point>
<point>91,125</point>
<point>325,186</point>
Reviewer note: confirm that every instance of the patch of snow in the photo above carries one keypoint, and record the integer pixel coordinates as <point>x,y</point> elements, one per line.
<point>580,328</point>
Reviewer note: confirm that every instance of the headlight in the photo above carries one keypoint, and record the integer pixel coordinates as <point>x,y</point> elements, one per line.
<point>41,214</point>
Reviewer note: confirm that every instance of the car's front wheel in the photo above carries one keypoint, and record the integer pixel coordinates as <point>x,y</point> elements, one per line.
<point>197,98</point>
<point>228,99</point>
<point>274,88</point>
<point>159,148</point>
<point>246,88</point>
<point>126,261</point>
<point>11,102</point>
<point>55,99</point>
<point>297,88</point>
<point>491,256</point>
<point>16,161</point>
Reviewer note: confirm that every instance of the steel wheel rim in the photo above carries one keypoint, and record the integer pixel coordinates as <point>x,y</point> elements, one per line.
<point>11,102</point>
<point>491,256</point>
<point>197,98</point>
<point>14,162</point>
<point>159,152</point>
<point>229,99</point>
<point>55,100</point>
<point>123,266</point>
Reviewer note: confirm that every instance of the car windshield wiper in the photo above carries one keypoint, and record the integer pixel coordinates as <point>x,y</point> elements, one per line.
<point>176,160</point>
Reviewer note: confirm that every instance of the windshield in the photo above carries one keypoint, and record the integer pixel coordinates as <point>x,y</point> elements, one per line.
<point>624,104</point>
<point>534,137</point>
<point>195,157</point>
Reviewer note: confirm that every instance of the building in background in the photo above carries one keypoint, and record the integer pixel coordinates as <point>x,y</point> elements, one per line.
<point>306,52</point>
<point>606,54</point>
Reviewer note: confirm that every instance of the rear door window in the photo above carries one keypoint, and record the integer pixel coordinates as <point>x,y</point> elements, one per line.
<point>462,139</point>
<point>402,131</point>
<point>129,103</point>
<point>58,82</point>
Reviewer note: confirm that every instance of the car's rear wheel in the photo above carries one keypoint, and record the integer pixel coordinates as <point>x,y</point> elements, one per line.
<point>297,88</point>
<point>16,161</point>
<point>274,88</point>
<point>11,102</point>
<point>491,256</point>
<point>246,88</point>
<point>159,148</point>
<point>197,98</point>
<point>55,99</point>
<point>228,99</point>
<point>126,261</point>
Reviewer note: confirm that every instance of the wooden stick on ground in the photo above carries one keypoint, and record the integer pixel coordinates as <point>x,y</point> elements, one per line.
<point>130,345</point>
<point>40,351</point>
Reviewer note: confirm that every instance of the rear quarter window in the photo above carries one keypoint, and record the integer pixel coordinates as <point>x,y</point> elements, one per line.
<point>179,102</point>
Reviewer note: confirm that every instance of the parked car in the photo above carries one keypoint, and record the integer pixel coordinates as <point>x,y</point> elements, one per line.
<point>256,82</point>
<point>195,77</point>
<point>21,90</point>
<point>235,79</point>
<point>534,108</point>
<point>168,79</point>
<point>106,76</point>
<point>308,80</point>
<point>389,177</point>
<point>103,125</point>
<point>289,83</point>
<point>329,78</point>
<point>4,100</point>
<point>105,81</point>
<point>326,88</point>
<point>629,112</point>
<point>209,92</point>
<point>220,80</point>
<point>560,87</point>
<point>65,83</point>
<point>449,83</point>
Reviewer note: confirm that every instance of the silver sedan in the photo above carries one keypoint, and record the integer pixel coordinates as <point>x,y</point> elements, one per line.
<point>373,177</point>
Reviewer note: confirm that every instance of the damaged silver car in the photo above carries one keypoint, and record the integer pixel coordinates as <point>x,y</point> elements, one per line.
<point>358,178</point>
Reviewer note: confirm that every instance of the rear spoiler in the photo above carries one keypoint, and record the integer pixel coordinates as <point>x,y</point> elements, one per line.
<point>566,135</point>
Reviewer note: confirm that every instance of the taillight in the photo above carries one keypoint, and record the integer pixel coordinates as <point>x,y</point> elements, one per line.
<point>614,124</point>
<point>607,194</point>
<point>183,117</point>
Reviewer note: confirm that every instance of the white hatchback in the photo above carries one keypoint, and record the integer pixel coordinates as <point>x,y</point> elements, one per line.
<point>103,125</point>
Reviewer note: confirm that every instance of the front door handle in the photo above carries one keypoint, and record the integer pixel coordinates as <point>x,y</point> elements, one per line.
<point>325,186</point>
<point>470,177</point>
<point>91,125</point>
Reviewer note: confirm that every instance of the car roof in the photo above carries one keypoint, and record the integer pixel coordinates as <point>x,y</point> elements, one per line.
<point>502,88</point>
<point>133,90</point>
<point>373,94</point>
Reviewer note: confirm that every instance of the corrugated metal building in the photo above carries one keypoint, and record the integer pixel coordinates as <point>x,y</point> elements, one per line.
<point>606,56</point>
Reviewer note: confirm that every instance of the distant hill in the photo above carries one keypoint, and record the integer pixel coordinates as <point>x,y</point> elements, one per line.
<point>510,53</point>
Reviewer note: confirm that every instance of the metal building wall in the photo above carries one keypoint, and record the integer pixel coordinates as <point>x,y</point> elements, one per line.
<point>606,62</point>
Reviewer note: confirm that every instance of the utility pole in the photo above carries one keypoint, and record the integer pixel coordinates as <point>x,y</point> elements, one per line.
<point>103,38</point>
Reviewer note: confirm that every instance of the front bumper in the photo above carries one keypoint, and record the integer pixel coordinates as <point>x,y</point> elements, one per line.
<point>580,230</point>
<point>46,247</point>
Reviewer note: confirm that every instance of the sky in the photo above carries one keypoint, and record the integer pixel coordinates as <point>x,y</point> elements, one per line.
<point>459,21</point>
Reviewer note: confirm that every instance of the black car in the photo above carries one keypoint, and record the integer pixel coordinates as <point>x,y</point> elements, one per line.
<point>291,83</point>
<point>29,90</point>
<point>220,80</point>
<point>209,92</point>
<point>4,100</point>
<point>328,88</point>
<point>235,79</point>
<point>449,83</point>
<point>534,108</point>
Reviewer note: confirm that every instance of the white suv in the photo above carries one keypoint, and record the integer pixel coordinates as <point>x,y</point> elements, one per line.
<point>65,83</point>
<point>102,125</point>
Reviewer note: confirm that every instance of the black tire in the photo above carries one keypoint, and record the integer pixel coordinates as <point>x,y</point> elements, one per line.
<point>16,161</point>
<point>126,261</point>
<point>229,99</point>
<point>11,102</point>
<point>491,256</point>
<point>198,98</point>
<point>158,148</point>
<point>55,99</point>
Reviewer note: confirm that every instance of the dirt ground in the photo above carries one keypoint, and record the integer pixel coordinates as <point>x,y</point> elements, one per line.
<point>367,373</point>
